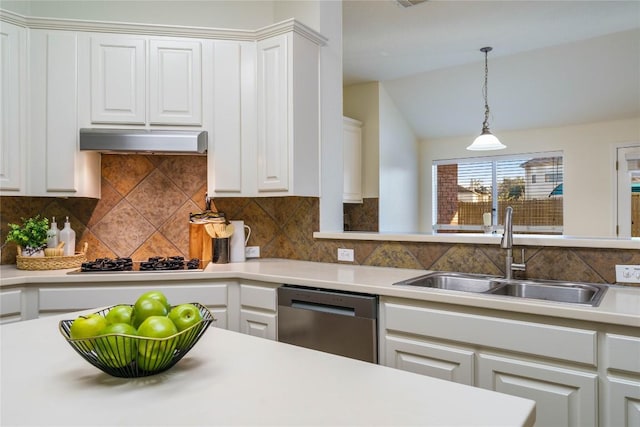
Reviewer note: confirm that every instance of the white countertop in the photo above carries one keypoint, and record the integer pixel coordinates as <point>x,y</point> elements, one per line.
<point>232,379</point>
<point>620,305</point>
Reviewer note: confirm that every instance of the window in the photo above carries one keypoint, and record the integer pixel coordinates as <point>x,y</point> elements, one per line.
<point>465,189</point>
<point>553,177</point>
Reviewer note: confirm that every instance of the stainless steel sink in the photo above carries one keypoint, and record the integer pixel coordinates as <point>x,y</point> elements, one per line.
<point>566,292</point>
<point>453,282</point>
<point>575,293</point>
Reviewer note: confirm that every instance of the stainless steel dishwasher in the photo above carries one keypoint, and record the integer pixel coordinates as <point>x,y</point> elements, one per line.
<point>337,322</point>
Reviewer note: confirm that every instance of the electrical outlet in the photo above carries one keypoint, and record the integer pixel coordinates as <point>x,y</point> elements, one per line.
<point>252,251</point>
<point>628,273</point>
<point>345,254</point>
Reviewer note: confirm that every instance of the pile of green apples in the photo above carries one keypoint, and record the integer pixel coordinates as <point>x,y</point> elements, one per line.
<point>151,316</point>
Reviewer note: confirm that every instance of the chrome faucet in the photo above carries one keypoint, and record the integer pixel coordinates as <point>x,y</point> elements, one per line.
<point>507,243</point>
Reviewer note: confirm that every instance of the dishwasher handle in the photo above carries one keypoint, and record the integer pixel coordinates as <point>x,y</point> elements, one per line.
<point>329,301</point>
<point>323,308</point>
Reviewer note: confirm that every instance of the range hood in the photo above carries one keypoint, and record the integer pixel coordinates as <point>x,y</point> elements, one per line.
<point>143,141</point>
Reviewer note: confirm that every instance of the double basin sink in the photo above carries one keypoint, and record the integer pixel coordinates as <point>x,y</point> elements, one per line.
<point>567,292</point>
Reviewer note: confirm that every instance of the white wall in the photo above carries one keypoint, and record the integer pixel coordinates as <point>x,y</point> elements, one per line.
<point>246,14</point>
<point>361,102</point>
<point>399,198</point>
<point>589,168</point>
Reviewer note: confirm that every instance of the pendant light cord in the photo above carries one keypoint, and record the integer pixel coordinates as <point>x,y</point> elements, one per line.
<point>485,90</point>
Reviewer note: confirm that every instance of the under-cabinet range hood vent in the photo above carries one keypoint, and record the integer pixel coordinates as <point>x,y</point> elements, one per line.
<point>143,141</point>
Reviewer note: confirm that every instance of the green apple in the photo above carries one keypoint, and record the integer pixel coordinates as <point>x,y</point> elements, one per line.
<point>119,314</point>
<point>185,316</point>
<point>145,308</point>
<point>117,350</point>
<point>87,326</point>
<point>155,354</point>
<point>157,295</point>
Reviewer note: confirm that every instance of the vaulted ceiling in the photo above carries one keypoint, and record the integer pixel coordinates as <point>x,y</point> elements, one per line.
<point>553,63</point>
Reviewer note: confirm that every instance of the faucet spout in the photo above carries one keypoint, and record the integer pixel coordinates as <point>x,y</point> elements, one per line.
<point>507,236</point>
<point>507,243</point>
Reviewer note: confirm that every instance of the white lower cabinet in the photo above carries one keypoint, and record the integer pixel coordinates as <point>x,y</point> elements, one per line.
<point>11,306</point>
<point>435,360</point>
<point>564,397</point>
<point>552,365</point>
<point>249,307</point>
<point>621,387</point>
<point>258,309</point>
<point>56,300</point>
<point>623,408</point>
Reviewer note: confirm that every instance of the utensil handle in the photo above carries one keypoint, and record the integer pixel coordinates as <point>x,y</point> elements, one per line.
<point>246,239</point>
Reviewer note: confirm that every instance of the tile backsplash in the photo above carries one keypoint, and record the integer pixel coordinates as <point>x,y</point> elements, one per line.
<point>146,201</point>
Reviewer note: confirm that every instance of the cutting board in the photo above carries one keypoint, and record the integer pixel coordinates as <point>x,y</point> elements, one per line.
<point>199,243</point>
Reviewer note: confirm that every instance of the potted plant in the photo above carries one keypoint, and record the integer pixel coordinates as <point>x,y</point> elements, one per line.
<point>31,236</point>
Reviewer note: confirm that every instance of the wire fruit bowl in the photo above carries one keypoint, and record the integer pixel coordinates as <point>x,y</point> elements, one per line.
<point>131,356</point>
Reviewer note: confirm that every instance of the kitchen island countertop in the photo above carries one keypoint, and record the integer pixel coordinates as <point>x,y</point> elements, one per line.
<point>232,379</point>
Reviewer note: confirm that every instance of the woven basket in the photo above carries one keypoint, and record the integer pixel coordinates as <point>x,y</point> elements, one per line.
<point>52,262</point>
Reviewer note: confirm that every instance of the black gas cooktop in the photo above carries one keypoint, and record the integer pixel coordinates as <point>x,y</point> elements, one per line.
<point>155,264</point>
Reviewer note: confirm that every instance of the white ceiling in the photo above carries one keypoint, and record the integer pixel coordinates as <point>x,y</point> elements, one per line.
<point>554,62</point>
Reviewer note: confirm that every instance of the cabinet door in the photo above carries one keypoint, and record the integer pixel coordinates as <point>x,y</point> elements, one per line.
<point>434,360</point>
<point>258,306</point>
<point>258,324</point>
<point>273,102</point>
<point>621,397</point>
<point>175,82</point>
<point>563,397</point>
<point>12,108</point>
<point>56,166</point>
<point>352,149</point>
<point>225,175</point>
<point>117,80</point>
<point>623,407</point>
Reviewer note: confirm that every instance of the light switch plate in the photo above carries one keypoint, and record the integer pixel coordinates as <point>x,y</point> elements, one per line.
<point>252,252</point>
<point>628,273</point>
<point>345,254</point>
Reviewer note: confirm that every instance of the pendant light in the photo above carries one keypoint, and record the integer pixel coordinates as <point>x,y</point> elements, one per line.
<point>486,141</point>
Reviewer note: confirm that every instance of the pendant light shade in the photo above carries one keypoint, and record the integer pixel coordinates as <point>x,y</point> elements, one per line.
<point>486,141</point>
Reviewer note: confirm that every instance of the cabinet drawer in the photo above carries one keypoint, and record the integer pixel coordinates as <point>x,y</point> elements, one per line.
<point>623,352</point>
<point>11,305</point>
<point>434,360</point>
<point>558,342</point>
<point>80,298</point>
<point>258,297</point>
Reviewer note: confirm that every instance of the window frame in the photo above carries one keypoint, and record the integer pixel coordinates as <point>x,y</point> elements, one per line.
<point>496,223</point>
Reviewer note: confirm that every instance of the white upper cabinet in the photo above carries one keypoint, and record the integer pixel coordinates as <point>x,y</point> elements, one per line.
<point>232,156</point>
<point>13,51</point>
<point>175,82</point>
<point>56,166</point>
<point>256,93</point>
<point>125,91</point>
<point>352,151</point>
<point>288,115</point>
<point>266,115</point>
<point>118,80</point>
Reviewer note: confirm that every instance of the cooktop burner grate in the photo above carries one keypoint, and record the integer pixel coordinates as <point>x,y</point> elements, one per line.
<point>155,263</point>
